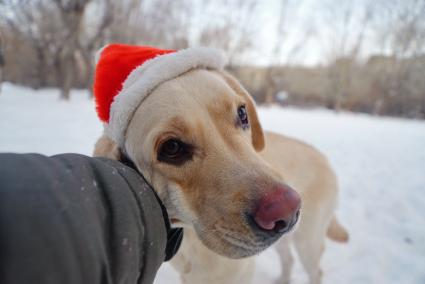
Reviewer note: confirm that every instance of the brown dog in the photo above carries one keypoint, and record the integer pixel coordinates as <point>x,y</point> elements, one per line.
<point>198,141</point>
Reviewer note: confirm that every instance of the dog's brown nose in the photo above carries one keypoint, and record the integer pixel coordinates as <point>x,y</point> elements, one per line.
<point>278,210</point>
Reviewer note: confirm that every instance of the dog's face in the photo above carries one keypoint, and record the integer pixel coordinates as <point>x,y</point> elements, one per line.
<point>195,139</point>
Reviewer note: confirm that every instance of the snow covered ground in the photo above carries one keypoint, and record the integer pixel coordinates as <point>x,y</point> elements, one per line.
<point>380,163</point>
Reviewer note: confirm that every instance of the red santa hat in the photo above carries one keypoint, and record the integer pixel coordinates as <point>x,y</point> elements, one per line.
<point>126,74</point>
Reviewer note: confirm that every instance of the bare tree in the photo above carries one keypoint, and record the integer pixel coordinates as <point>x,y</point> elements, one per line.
<point>2,60</point>
<point>231,27</point>
<point>71,13</point>
<point>276,55</point>
<point>57,31</point>
<point>27,20</point>
<point>162,23</point>
<point>342,42</point>
<point>400,33</point>
<point>285,49</point>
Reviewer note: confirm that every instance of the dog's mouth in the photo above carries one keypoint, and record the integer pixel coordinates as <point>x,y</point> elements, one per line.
<point>262,238</point>
<point>249,241</point>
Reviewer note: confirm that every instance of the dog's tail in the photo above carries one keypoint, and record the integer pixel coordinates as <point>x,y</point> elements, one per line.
<point>337,232</point>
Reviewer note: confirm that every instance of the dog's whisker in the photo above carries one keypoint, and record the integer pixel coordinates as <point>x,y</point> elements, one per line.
<point>237,243</point>
<point>223,230</point>
<point>235,236</point>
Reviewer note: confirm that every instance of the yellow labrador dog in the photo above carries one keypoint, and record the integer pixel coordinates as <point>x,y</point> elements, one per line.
<point>235,190</point>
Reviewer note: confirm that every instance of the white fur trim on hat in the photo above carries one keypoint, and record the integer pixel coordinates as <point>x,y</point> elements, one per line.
<point>143,79</point>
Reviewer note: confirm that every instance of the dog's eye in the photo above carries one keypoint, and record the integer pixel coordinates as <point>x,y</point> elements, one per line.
<point>174,151</point>
<point>243,117</point>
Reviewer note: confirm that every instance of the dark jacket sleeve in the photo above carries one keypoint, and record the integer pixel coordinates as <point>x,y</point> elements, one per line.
<point>74,219</point>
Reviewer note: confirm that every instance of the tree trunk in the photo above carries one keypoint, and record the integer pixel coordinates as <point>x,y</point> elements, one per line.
<point>271,87</point>
<point>66,88</point>
<point>1,77</point>
<point>89,68</point>
<point>41,67</point>
<point>2,64</point>
<point>422,115</point>
<point>67,72</point>
<point>337,102</point>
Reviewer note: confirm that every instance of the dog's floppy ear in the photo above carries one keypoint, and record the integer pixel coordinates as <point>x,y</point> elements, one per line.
<point>106,148</point>
<point>256,129</point>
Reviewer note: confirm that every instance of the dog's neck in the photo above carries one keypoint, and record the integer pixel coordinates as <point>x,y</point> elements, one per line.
<point>174,235</point>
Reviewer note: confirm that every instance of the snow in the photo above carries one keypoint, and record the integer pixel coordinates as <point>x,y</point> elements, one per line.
<point>37,121</point>
<point>380,163</point>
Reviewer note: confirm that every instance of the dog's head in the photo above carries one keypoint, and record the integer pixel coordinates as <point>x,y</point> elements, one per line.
<point>195,138</point>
